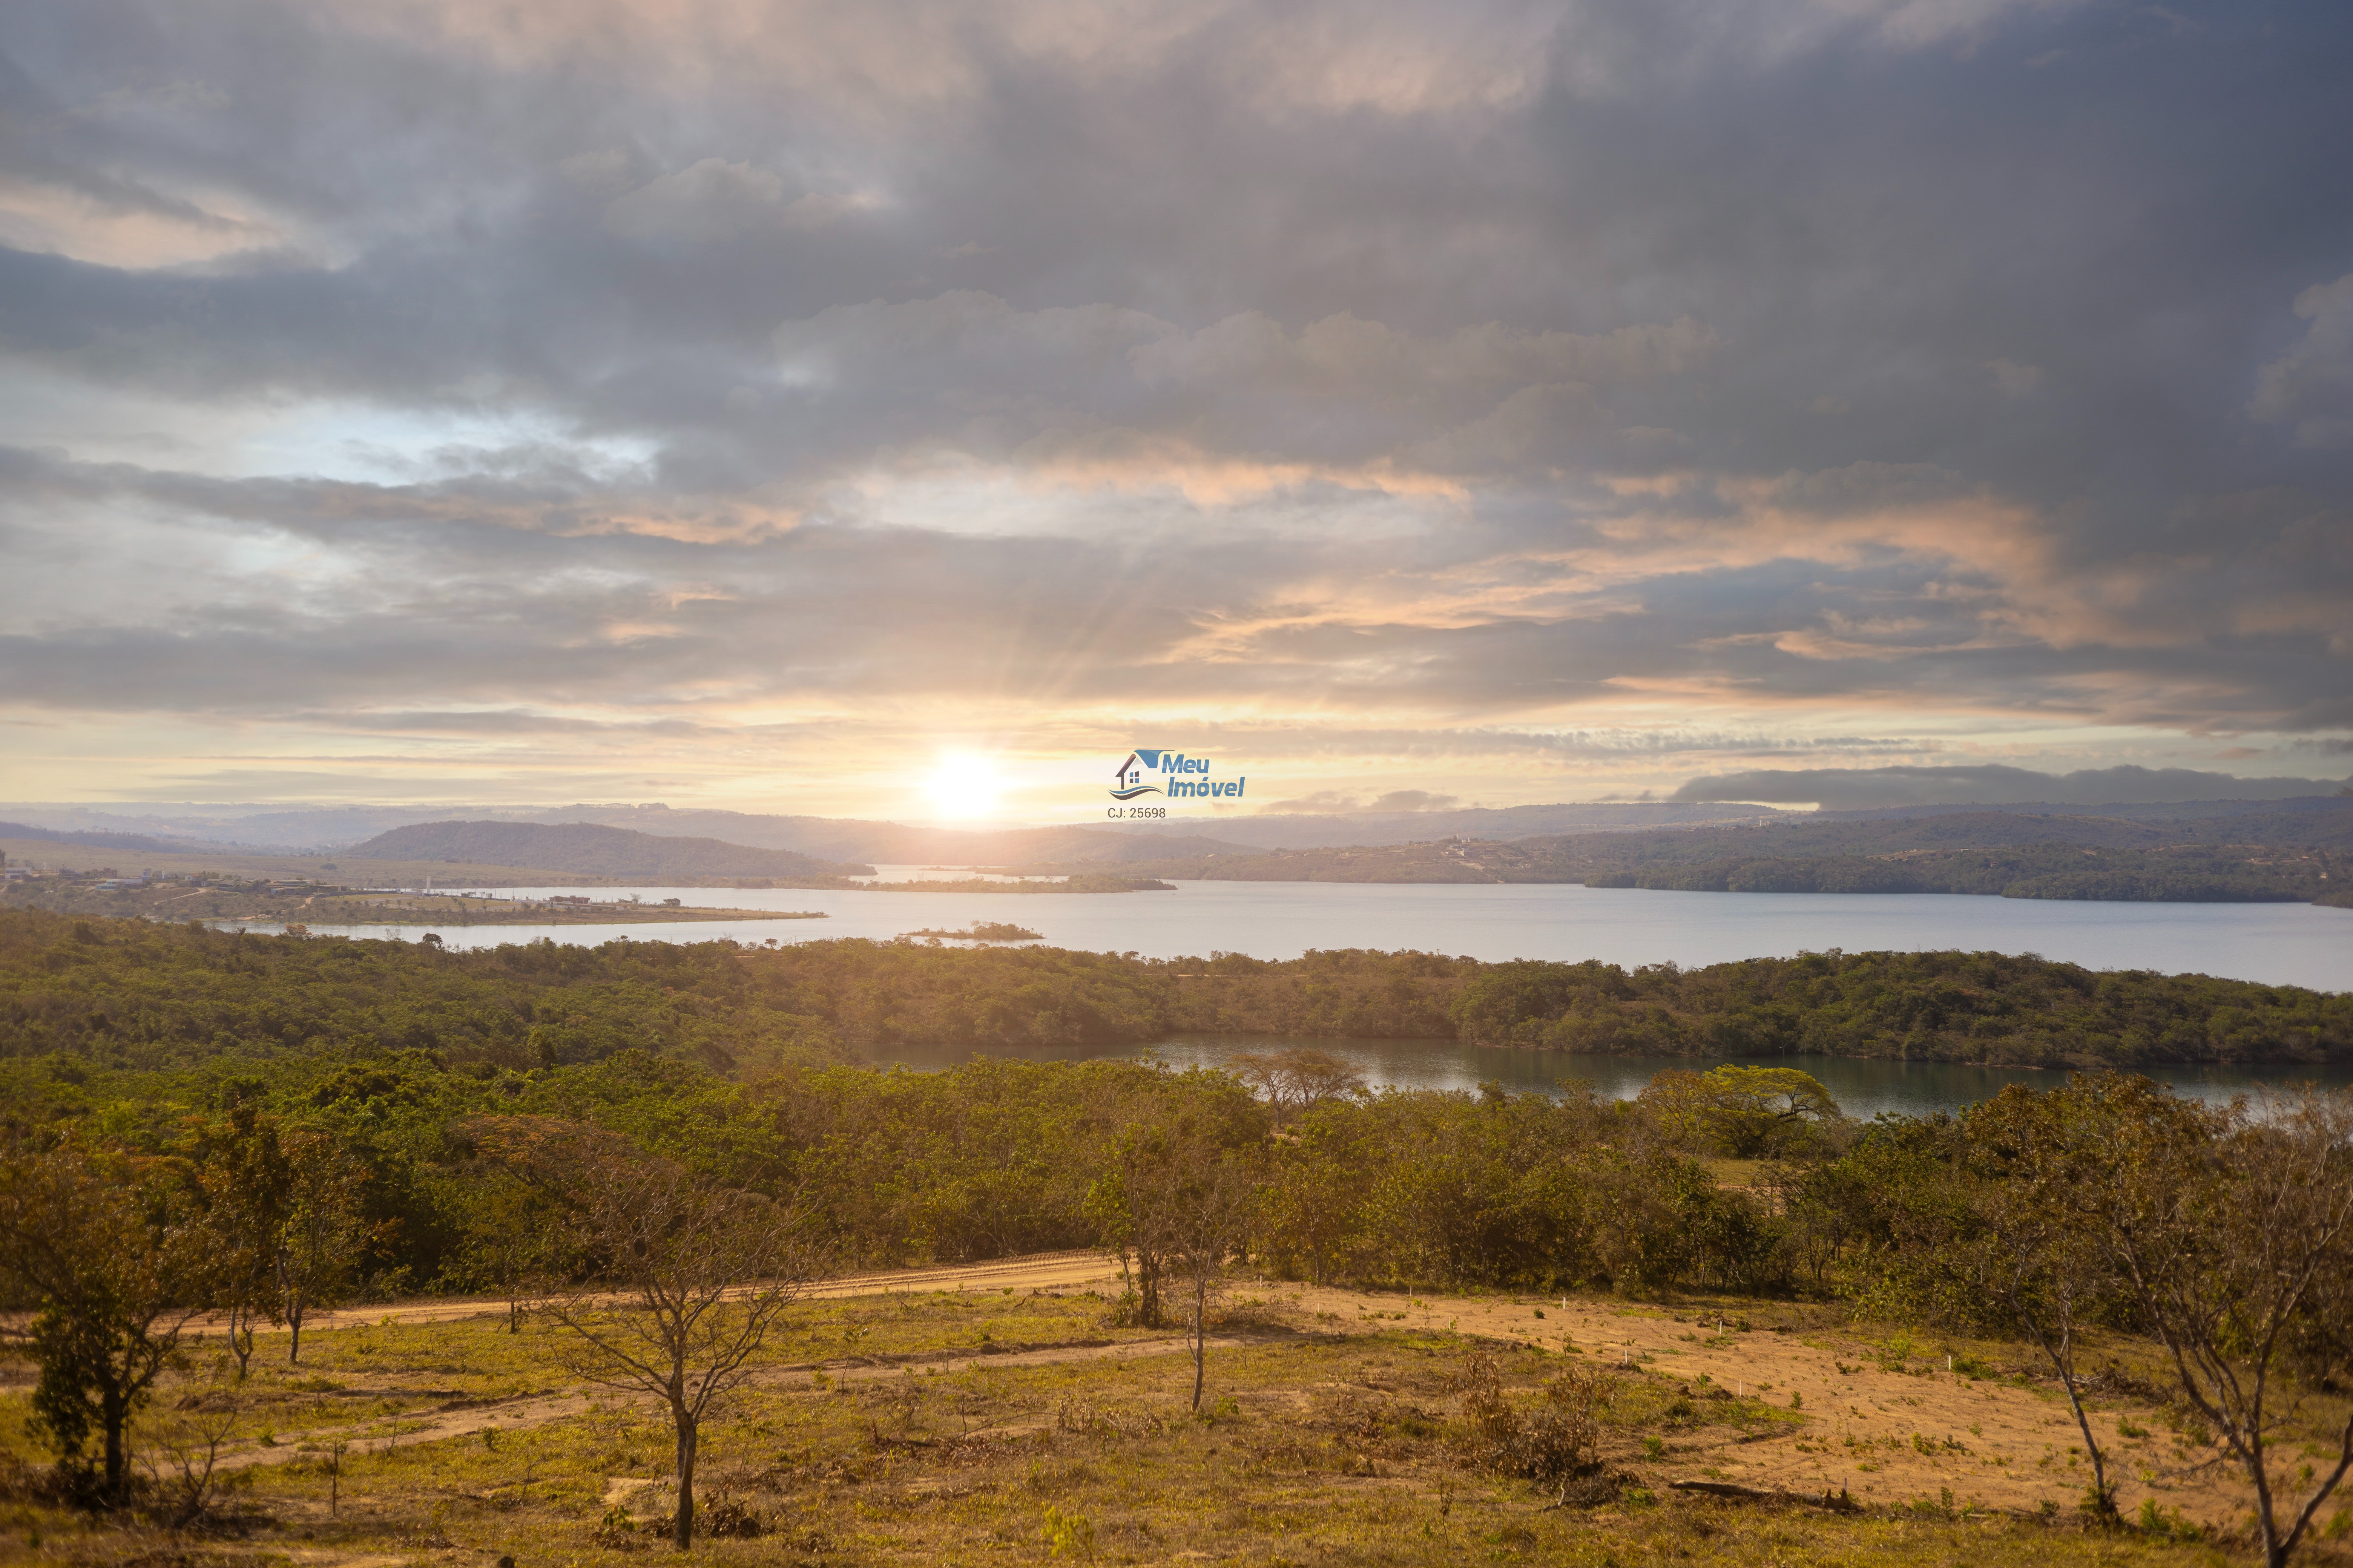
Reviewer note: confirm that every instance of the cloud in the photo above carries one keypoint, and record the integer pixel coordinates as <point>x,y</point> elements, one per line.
<point>2016,380</point>
<point>1864,789</point>
<point>1414,800</point>
<point>1578,396</point>
<point>2312,383</point>
<point>714,200</point>
<point>1322,802</point>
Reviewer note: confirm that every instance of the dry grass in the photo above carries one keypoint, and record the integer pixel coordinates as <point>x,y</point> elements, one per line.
<point>1023,1427</point>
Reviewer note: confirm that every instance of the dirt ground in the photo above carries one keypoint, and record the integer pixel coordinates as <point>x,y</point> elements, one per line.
<point>1878,1434</point>
<point>1881,1428</point>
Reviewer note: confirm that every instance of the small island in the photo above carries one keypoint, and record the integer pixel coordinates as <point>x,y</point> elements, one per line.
<point>979,931</point>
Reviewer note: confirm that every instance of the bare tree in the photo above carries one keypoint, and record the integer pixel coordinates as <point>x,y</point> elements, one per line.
<point>1139,1201</point>
<point>1215,1196</point>
<point>182,1454</point>
<point>689,1277</point>
<point>2237,1249</point>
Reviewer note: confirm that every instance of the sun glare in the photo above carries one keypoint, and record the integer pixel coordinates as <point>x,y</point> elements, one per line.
<point>965,785</point>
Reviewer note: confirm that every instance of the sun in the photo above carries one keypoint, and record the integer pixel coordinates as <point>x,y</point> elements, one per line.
<point>965,785</point>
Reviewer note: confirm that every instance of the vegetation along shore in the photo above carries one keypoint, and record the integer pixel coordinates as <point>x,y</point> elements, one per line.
<point>147,994</point>
<point>1723,1321</point>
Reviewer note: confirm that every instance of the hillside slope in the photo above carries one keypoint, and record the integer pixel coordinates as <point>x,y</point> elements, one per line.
<point>587,849</point>
<point>2277,856</point>
<point>135,843</point>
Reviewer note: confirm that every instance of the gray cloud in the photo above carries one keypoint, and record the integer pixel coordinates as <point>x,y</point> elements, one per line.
<point>1688,377</point>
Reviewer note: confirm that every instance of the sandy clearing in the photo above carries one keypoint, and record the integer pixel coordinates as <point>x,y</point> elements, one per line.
<point>1033,1270</point>
<point>1985,1442</point>
<point>1885,1437</point>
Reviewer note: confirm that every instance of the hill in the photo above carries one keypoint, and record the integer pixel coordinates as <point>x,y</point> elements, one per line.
<point>1331,830</point>
<point>588,849</point>
<point>2303,854</point>
<point>896,844</point>
<point>136,843</point>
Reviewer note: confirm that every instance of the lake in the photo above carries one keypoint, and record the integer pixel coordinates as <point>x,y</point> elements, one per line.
<point>1862,1089</point>
<point>2277,944</point>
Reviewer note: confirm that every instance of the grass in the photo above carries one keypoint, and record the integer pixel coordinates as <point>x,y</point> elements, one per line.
<point>929,1430</point>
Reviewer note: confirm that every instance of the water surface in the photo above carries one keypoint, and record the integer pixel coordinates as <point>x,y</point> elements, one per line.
<point>1862,1089</point>
<point>2277,944</point>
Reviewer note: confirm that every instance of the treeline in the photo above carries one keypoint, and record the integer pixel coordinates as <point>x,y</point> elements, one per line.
<point>270,1189</point>
<point>2266,857</point>
<point>145,995</point>
<point>986,1160</point>
<point>2038,871</point>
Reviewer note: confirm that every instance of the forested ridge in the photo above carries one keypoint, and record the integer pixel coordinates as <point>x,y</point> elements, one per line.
<point>150,996</point>
<point>585,848</point>
<point>2202,875</point>
<point>2279,857</point>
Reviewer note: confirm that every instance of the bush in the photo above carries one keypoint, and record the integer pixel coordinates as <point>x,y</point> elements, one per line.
<point>1557,1442</point>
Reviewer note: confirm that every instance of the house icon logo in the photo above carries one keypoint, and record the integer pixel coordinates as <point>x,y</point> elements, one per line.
<point>1182,777</point>
<point>1128,782</point>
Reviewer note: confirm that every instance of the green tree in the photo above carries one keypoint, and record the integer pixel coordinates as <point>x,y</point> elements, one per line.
<point>319,1238</point>
<point>516,1244</point>
<point>1740,1111</point>
<point>112,1258</point>
<point>1295,1079</point>
<point>2041,1160</point>
<point>247,1184</point>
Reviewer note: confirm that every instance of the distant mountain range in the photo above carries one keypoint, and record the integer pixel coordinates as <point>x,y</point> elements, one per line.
<point>137,842</point>
<point>589,849</point>
<point>335,828</point>
<point>1614,835</point>
<point>2299,850</point>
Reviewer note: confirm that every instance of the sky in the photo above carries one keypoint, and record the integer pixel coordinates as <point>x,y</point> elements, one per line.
<point>904,409</point>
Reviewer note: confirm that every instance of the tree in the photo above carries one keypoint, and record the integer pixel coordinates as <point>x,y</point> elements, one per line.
<point>1782,1096</point>
<point>247,1184</point>
<point>111,1259</point>
<point>1215,1196</point>
<point>1126,1206</point>
<point>321,1236</point>
<point>1312,1195</point>
<point>1168,1133</point>
<point>515,1242</point>
<point>2039,1159</point>
<point>1296,1080</point>
<point>1738,1111</point>
<point>2234,1233</point>
<point>688,1276</point>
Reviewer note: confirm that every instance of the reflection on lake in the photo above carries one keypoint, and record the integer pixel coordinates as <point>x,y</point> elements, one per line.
<point>1862,1089</point>
<point>2277,944</point>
